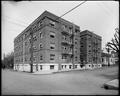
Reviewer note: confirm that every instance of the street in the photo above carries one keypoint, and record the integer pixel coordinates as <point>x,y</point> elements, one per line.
<point>86,82</point>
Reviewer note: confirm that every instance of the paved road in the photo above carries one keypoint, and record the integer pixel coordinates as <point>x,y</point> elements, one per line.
<point>70,83</point>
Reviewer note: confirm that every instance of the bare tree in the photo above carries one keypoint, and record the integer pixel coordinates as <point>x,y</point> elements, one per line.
<point>114,44</point>
<point>8,61</point>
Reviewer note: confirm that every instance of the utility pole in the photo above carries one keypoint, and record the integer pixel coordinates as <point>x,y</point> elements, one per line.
<point>31,51</point>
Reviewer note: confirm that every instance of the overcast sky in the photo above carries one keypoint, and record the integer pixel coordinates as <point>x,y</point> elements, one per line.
<point>100,17</point>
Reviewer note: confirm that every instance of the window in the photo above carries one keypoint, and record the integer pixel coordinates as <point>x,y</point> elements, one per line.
<point>75,42</point>
<point>52,23</point>
<point>25,59</point>
<point>81,46</point>
<point>62,66</point>
<point>89,50</point>
<point>34,48</point>
<point>40,34</point>
<point>64,26</point>
<point>65,66</point>
<point>21,59</point>
<point>52,35</point>
<point>51,66</point>
<point>52,46</point>
<point>76,31</point>
<point>102,60</point>
<point>75,58</point>
<point>25,35</point>
<point>26,43</point>
<point>34,59</point>
<point>40,67</point>
<point>70,66</point>
<point>34,28</point>
<point>70,30</point>
<point>40,24</point>
<point>64,57</point>
<point>75,66</point>
<point>75,51</point>
<point>41,46</point>
<point>34,38</point>
<point>52,56</point>
<point>41,57</point>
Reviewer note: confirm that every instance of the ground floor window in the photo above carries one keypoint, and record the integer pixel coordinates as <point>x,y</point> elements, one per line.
<point>65,66</point>
<point>62,66</point>
<point>75,66</point>
<point>40,67</point>
<point>70,66</point>
<point>51,66</point>
<point>36,67</point>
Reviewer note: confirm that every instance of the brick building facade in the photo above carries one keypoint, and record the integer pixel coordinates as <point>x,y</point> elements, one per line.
<point>55,44</point>
<point>90,49</point>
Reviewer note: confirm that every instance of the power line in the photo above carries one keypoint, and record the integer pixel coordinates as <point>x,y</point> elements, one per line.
<point>71,9</point>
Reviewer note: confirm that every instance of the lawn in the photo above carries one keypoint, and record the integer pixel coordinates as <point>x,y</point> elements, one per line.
<point>87,82</point>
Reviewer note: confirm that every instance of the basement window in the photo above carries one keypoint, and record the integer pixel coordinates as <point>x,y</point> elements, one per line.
<point>51,66</point>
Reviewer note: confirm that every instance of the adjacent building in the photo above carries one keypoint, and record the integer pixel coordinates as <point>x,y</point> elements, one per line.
<point>55,45</point>
<point>90,49</point>
<point>109,59</point>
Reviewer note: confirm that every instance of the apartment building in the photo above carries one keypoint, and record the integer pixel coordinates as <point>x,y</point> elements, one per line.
<point>90,49</point>
<point>55,45</point>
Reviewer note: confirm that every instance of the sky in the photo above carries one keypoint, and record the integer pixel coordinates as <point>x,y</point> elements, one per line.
<point>100,17</point>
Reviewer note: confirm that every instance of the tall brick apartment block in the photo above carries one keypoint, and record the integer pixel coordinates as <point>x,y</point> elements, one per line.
<point>56,44</point>
<point>90,49</point>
